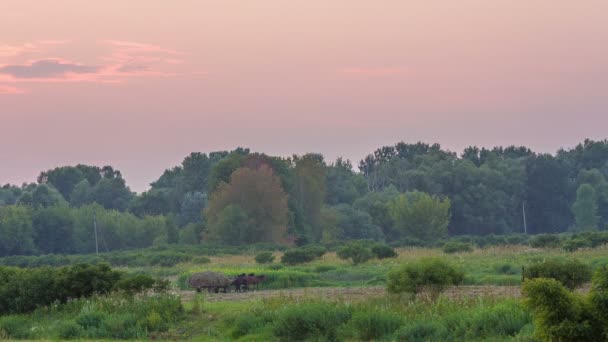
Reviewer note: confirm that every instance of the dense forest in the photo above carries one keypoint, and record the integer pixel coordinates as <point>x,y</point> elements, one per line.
<point>400,192</point>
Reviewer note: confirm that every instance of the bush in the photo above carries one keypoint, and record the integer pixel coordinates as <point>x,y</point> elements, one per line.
<point>141,283</point>
<point>457,247</point>
<point>559,315</point>
<point>574,244</point>
<point>384,251</point>
<point>264,258</point>
<point>302,255</point>
<point>15,327</point>
<point>429,274</point>
<point>313,321</point>
<point>356,252</point>
<point>246,323</point>
<point>93,319</point>
<point>545,241</point>
<point>422,331</point>
<point>571,273</point>
<point>69,330</point>
<point>371,325</point>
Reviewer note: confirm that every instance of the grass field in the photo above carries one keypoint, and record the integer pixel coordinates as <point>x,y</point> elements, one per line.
<point>327,299</point>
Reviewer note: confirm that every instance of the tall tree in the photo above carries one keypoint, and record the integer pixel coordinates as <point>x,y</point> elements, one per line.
<point>585,208</point>
<point>258,204</point>
<point>309,174</point>
<point>421,216</point>
<point>16,230</point>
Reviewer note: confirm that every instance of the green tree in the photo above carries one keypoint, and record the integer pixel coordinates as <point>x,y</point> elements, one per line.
<point>309,171</point>
<point>53,229</point>
<point>585,208</point>
<point>16,232</point>
<point>420,215</point>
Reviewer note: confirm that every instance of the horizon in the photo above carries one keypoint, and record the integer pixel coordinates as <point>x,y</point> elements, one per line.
<point>94,84</point>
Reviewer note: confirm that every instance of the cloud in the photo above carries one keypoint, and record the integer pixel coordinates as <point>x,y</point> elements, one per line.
<point>139,47</point>
<point>7,50</point>
<point>376,71</point>
<point>4,90</point>
<point>121,61</point>
<point>46,68</point>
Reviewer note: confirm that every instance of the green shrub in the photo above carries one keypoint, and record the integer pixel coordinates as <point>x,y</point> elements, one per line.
<point>384,252</point>
<point>375,325</point>
<point>356,252</point>
<point>574,244</point>
<point>316,250</point>
<point>246,323</point>
<point>201,260</point>
<point>264,258</point>
<point>457,247</point>
<point>93,319</point>
<point>68,330</point>
<point>559,315</point>
<point>422,331</point>
<point>545,241</point>
<point>302,255</point>
<point>314,320</point>
<point>429,274</point>
<point>15,327</point>
<point>141,283</point>
<point>571,273</point>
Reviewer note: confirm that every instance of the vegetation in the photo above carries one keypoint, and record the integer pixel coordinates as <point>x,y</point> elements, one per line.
<point>457,247</point>
<point>264,258</point>
<point>405,193</point>
<point>570,273</point>
<point>562,315</point>
<point>430,274</point>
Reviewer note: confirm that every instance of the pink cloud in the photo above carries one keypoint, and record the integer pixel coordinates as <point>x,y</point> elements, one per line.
<point>6,90</point>
<point>375,71</point>
<point>124,60</point>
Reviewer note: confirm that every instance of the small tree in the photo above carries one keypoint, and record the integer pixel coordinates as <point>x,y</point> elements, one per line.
<point>356,252</point>
<point>429,274</point>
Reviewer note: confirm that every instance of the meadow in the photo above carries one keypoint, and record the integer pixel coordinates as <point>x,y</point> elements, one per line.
<point>327,299</point>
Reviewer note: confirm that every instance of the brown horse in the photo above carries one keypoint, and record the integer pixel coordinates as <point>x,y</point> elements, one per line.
<point>252,279</point>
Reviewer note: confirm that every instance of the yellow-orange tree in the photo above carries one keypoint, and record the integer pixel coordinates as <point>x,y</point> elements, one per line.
<point>251,208</point>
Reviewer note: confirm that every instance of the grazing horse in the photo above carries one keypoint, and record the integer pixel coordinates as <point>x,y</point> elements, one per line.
<point>240,283</point>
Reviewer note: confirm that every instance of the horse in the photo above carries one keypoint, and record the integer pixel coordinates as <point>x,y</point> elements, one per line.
<point>240,283</point>
<point>252,279</point>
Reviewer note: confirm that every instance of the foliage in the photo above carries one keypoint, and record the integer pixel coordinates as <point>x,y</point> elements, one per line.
<point>429,274</point>
<point>558,313</point>
<point>383,251</point>
<point>421,215</point>
<point>312,320</point>
<point>302,254</point>
<point>251,208</point>
<point>375,325</point>
<point>457,247</point>
<point>585,208</point>
<point>570,273</point>
<point>264,258</point>
<point>545,241</point>
<point>356,252</point>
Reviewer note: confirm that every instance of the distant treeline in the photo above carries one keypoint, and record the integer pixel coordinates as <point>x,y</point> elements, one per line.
<point>404,191</point>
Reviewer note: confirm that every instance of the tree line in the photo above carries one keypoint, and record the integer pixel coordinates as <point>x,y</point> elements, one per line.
<point>404,191</point>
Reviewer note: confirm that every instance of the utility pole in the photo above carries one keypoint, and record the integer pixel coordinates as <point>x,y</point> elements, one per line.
<point>95,228</point>
<point>523,208</point>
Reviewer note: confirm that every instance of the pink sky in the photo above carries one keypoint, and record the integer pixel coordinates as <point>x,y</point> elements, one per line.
<point>139,84</point>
